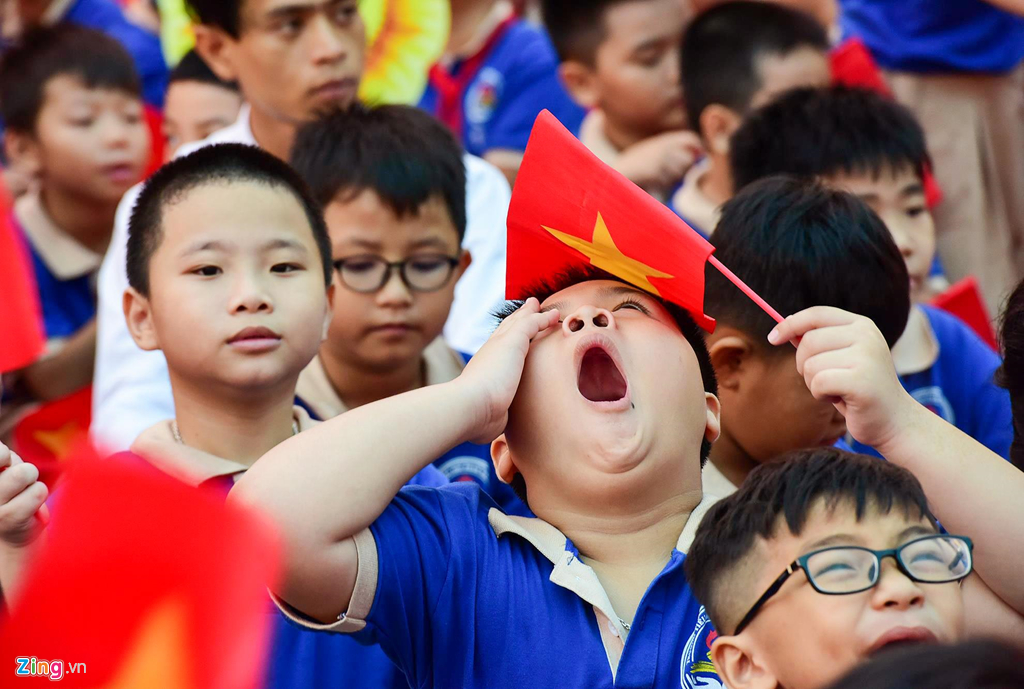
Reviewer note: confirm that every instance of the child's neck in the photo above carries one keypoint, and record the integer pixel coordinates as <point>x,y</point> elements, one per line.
<point>88,221</point>
<point>470,25</point>
<point>620,137</point>
<point>272,135</point>
<point>238,425</point>
<point>716,183</point>
<point>731,459</point>
<point>357,385</point>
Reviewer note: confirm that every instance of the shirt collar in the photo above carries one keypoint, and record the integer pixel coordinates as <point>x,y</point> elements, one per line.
<point>917,349</point>
<point>691,202</point>
<point>440,361</point>
<point>593,137</point>
<point>187,464</point>
<point>61,253</point>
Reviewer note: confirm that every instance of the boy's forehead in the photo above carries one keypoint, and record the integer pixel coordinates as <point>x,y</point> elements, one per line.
<point>639,22</point>
<point>837,524</point>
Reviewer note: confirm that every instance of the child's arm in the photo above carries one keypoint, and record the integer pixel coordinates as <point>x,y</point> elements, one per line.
<point>68,370</point>
<point>23,515</point>
<point>326,485</point>
<point>974,491</point>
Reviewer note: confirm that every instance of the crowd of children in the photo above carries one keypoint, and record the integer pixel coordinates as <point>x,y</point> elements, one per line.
<point>255,284</point>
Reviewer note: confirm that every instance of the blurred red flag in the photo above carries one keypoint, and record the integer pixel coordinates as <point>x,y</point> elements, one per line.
<point>21,319</point>
<point>964,301</point>
<point>49,435</point>
<point>570,209</point>
<point>144,582</point>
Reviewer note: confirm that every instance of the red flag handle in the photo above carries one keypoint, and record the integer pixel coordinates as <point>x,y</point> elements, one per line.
<point>754,296</point>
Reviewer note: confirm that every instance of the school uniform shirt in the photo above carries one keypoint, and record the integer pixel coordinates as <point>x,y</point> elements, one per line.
<point>491,98</point>
<point>131,389</point>
<point>954,378</point>
<point>298,658</point>
<point>930,36</point>
<point>466,462</point>
<point>714,482</point>
<point>690,203</point>
<point>460,594</point>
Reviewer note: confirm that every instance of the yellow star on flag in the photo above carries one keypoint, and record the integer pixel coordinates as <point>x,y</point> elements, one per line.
<point>158,658</point>
<point>603,254</point>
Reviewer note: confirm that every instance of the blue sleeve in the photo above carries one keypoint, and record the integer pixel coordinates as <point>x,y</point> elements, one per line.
<point>531,84</point>
<point>427,540</point>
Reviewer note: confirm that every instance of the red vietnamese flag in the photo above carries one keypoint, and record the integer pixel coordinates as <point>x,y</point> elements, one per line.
<point>146,582</point>
<point>21,318</point>
<point>570,209</point>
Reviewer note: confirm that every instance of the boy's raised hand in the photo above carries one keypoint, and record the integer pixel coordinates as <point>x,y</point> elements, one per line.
<point>493,374</point>
<point>660,161</point>
<point>843,357</point>
<point>23,514</point>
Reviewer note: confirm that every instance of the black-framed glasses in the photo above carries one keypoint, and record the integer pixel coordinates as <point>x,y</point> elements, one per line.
<point>845,569</point>
<point>420,273</point>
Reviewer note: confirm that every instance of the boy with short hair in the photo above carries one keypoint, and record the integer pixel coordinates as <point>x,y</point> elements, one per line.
<point>810,539</point>
<point>620,61</point>
<point>198,103</point>
<point>861,142</point>
<point>71,102</point>
<point>736,57</point>
<point>797,244</point>
<point>498,73</point>
<point>396,226</point>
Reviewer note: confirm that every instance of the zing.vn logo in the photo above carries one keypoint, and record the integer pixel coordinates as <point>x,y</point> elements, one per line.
<point>30,666</point>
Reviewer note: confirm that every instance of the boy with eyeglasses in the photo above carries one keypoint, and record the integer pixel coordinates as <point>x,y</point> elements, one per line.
<point>392,183</point>
<point>824,558</point>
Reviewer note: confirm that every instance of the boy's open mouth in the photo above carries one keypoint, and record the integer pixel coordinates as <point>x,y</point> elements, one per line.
<point>902,636</point>
<point>599,378</point>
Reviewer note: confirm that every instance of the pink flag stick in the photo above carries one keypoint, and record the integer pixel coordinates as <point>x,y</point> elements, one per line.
<point>731,277</point>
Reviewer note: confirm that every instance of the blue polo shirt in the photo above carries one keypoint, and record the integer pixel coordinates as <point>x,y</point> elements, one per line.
<point>936,35</point>
<point>459,594</point>
<point>959,386</point>
<point>494,97</point>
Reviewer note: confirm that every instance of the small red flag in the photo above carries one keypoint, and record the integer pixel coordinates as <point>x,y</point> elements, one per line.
<point>143,582</point>
<point>570,209</point>
<point>964,301</point>
<point>21,340</point>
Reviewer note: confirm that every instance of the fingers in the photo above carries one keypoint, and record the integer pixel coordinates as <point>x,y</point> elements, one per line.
<point>799,324</point>
<point>827,339</point>
<point>15,479</point>
<point>17,513</point>
<point>7,458</point>
<point>835,360</point>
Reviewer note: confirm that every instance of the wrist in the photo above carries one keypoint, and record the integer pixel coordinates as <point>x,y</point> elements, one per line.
<point>470,405</point>
<point>910,420</point>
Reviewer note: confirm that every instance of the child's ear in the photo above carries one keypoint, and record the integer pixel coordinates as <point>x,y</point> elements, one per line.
<point>730,356</point>
<point>717,124</point>
<point>504,466</point>
<point>465,260</point>
<point>713,426</point>
<point>329,314</point>
<point>139,316</point>
<point>581,82</point>
<point>214,46</point>
<point>739,664</point>
<point>23,152</point>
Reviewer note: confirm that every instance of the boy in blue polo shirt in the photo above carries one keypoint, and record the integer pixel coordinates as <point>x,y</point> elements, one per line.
<point>620,60</point>
<point>600,400</point>
<point>736,57</point>
<point>498,73</point>
<point>393,185</point>
<point>70,99</point>
<point>859,141</point>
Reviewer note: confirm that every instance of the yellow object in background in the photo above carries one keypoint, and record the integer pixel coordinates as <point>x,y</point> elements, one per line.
<point>176,35</point>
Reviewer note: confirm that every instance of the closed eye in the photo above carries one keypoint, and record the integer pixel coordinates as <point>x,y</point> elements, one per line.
<point>633,304</point>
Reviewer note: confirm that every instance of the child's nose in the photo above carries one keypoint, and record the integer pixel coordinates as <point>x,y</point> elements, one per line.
<point>588,316</point>
<point>895,589</point>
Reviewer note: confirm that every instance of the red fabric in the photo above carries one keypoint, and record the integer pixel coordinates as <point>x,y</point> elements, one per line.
<point>50,435</point>
<point>853,65</point>
<point>964,301</point>
<point>21,316</point>
<point>155,122</point>
<point>451,88</point>
<point>563,186</point>
<point>147,581</point>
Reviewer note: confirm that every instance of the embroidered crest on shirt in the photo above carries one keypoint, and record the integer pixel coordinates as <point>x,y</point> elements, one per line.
<point>695,667</point>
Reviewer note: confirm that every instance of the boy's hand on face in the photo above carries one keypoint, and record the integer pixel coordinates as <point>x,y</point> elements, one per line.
<point>23,514</point>
<point>660,161</point>
<point>493,374</point>
<point>843,357</point>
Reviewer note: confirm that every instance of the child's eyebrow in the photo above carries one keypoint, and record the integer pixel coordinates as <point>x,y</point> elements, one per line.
<point>835,539</point>
<point>204,245</point>
<point>913,189</point>
<point>551,307</point>
<point>916,530</point>
<point>283,244</point>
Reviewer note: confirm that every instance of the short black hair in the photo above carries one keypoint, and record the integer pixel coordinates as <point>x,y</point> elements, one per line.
<point>63,50</point>
<point>1011,373</point>
<point>687,326</point>
<point>212,165</point>
<point>978,664</point>
<point>783,493</point>
<point>223,14</point>
<point>827,131</point>
<point>722,48</point>
<point>192,67</point>
<point>799,244</point>
<point>577,27</point>
<point>399,152</point>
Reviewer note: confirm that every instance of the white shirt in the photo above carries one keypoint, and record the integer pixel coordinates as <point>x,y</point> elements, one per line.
<point>131,389</point>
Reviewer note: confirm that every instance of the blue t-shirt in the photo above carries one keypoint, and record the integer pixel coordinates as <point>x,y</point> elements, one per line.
<point>495,100</point>
<point>143,45</point>
<point>936,35</point>
<point>959,387</point>
<point>458,605</point>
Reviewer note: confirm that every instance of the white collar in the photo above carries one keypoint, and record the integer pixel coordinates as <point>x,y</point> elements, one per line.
<point>61,253</point>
